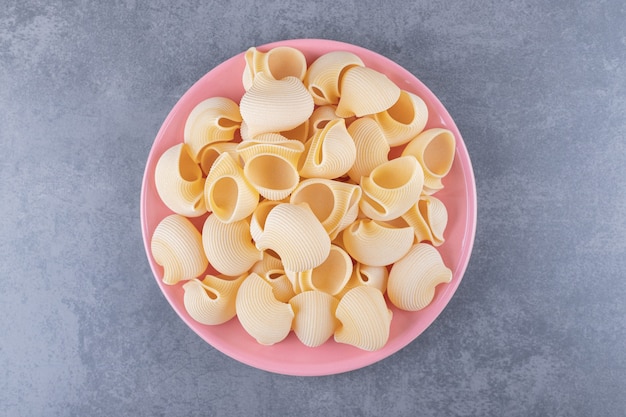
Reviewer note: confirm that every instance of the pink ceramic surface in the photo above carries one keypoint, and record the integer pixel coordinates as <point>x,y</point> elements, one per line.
<point>290,356</point>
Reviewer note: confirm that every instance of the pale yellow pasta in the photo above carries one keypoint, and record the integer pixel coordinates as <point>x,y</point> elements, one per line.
<point>404,120</point>
<point>296,235</point>
<point>414,278</point>
<point>320,118</point>
<point>228,246</point>
<point>281,285</point>
<point>375,243</point>
<point>268,263</point>
<point>209,154</point>
<point>365,319</point>
<point>323,78</point>
<point>334,203</point>
<point>275,105</point>
<point>272,167</point>
<point>429,218</point>
<point>261,315</point>
<point>434,149</point>
<point>278,63</point>
<point>299,133</point>
<point>391,188</point>
<point>330,153</point>
<point>257,220</point>
<point>176,245</point>
<point>179,181</point>
<point>215,119</point>
<point>314,319</point>
<point>296,278</point>
<point>365,91</point>
<point>227,192</point>
<point>332,275</point>
<point>372,148</point>
<point>212,300</point>
<point>367,275</point>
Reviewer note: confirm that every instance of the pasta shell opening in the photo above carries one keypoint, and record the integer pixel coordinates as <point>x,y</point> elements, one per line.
<point>285,61</point>
<point>332,275</point>
<point>272,176</point>
<point>439,154</point>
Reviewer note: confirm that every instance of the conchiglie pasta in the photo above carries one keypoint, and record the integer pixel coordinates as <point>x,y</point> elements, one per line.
<point>429,218</point>
<point>275,105</point>
<point>278,63</point>
<point>176,245</point>
<point>227,192</point>
<point>329,153</point>
<point>414,278</point>
<point>212,151</point>
<point>215,119</point>
<point>365,319</point>
<point>391,188</point>
<point>404,120</point>
<point>320,118</point>
<point>179,182</point>
<point>261,315</point>
<point>372,148</point>
<point>228,246</point>
<point>314,317</point>
<point>268,263</point>
<point>365,91</point>
<point>369,276</point>
<point>374,243</point>
<point>332,275</point>
<point>281,285</point>
<point>212,300</point>
<point>323,78</point>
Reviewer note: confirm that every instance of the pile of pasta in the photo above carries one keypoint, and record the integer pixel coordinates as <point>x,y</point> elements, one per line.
<point>311,226</point>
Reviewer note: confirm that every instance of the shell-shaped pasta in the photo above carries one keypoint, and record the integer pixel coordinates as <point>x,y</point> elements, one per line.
<point>320,118</point>
<point>259,216</point>
<point>391,188</point>
<point>275,105</point>
<point>281,285</point>
<point>278,63</point>
<point>372,148</point>
<point>332,275</point>
<point>272,167</point>
<point>365,91</point>
<point>374,243</point>
<point>334,203</point>
<point>296,278</point>
<point>429,218</point>
<point>330,153</point>
<point>296,235</point>
<point>213,120</point>
<point>212,151</point>
<point>266,264</point>
<point>434,149</point>
<point>314,319</point>
<point>299,133</point>
<point>179,181</point>
<point>368,275</point>
<point>413,279</point>
<point>228,246</point>
<point>176,245</point>
<point>404,120</point>
<point>365,319</point>
<point>212,300</point>
<point>261,315</point>
<point>324,75</point>
<point>227,192</point>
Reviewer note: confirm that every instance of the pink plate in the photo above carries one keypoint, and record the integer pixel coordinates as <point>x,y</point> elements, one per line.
<point>290,356</point>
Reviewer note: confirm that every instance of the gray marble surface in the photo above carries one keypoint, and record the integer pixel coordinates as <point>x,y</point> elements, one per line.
<point>537,327</point>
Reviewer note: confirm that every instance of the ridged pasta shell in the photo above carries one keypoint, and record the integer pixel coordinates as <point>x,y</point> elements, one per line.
<point>228,246</point>
<point>320,118</point>
<point>179,181</point>
<point>212,300</point>
<point>210,153</point>
<point>334,203</point>
<point>374,243</point>
<point>215,119</point>
<point>365,91</point>
<point>176,245</point>
<point>332,275</point>
<point>281,285</point>
<point>413,279</point>
<point>330,153</point>
<point>261,315</point>
<point>391,188</point>
<point>429,218</point>
<point>365,319</point>
<point>275,105</point>
<point>324,75</point>
<point>272,167</point>
<point>372,148</point>
<point>404,120</point>
<point>227,192</point>
<point>278,63</point>
<point>259,216</point>
<point>268,263</point>
<point>299,133</point>
<point>314,319</point>
<point>434,149</point>
<point>296,235</point>
<point>367,275</point>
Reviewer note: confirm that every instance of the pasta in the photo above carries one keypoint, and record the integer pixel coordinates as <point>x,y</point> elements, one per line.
<point>281,285</point>
<point>413,279</point>
<point>209,154</point>
<point>329,153</point>
<point>330,276</point>
<point>371,146</point>
<point>374,243</point>
<point>314,317</point>
<point>212,300</point>
<point>278,63</point>
<point>365,91</point>
<point>367,275</point>
<point>176,245</point>
<point>404,120</point>
<point>324,75</point>
<point>429,218</point>
<point>179,182</point>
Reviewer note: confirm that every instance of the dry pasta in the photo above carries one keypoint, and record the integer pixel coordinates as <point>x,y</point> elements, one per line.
<point>212,300</point>
<point>314,319</point>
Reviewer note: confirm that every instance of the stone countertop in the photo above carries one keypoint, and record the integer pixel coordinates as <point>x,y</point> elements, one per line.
<point>537,326</point>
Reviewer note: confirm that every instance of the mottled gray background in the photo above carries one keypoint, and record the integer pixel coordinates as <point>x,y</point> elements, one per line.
<point>537,327</point>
